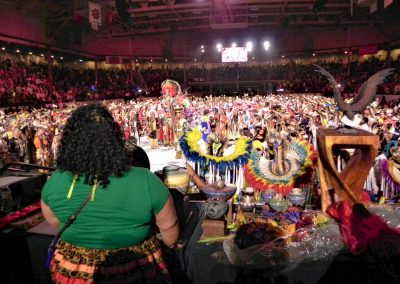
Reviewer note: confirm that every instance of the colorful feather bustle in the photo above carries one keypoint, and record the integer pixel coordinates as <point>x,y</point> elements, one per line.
<point>299,156</point>
<point>189,143</point>
<point>392,182</point>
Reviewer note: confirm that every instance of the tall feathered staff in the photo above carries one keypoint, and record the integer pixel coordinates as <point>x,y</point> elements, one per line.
<point>366,92</point>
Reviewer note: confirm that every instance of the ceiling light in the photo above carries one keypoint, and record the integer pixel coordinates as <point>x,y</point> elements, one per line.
<point>249,46</point>
<point>266,45</point>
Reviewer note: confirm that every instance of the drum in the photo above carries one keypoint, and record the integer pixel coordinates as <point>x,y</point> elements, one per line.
<point>176,177</point>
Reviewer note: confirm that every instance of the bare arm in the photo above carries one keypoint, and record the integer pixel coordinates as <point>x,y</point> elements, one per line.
<point>168,223</point>
<point>49,215</point>
<point>197,180</point>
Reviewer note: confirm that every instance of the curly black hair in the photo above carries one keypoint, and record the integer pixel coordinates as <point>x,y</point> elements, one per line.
<point>92,146</point>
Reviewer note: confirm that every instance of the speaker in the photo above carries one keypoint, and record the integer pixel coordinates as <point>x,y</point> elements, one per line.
<point>19,190</point>
<point>122,7</point>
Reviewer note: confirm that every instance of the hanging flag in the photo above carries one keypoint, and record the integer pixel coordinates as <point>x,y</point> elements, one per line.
<point>387,3</point>
<point>373,7</point>
<point>110,18</point>
<point>95,14</point>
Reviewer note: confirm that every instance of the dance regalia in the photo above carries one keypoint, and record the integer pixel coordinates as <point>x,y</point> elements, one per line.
<point>390,170</point>
<point>215,160</point>
<point>290,162</point>
<point>142,122</point>
<point>42,151</point>
<point>166,133</point>
<point>153,127</point>
<point>175,100</point>
<point>134,129</point>
<point>390,178</point>
<point>205,127</point>
<point>179,130</point>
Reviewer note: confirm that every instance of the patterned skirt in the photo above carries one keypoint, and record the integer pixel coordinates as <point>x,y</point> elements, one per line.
<point>141,263</point>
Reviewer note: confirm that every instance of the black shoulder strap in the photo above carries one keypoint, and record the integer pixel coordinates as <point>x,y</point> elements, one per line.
<point>73,217</point>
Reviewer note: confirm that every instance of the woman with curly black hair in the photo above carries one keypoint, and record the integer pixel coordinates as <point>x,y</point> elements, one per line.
<point>110,240</point>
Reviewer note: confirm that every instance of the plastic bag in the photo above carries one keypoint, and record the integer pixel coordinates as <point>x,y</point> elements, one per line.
<point>323,242</point>
<point>389,212</point>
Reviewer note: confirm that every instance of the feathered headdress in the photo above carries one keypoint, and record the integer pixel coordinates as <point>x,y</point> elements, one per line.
<point>171,87</point>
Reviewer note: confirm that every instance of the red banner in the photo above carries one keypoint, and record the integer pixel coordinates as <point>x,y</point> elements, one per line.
<point>370,49</point>
<point>113,60</point>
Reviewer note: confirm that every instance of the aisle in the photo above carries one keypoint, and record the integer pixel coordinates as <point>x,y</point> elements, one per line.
<point>161,157</point>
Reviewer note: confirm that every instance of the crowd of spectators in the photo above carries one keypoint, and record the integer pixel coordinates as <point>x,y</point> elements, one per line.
<point>28,84</point>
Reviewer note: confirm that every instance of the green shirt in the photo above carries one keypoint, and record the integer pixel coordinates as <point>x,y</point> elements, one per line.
<point>120,214</point>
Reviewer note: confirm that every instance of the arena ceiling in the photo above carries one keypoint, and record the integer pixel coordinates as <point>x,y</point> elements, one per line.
<point>149,17</point>
<point>166,16</point>
<point>322,25</point>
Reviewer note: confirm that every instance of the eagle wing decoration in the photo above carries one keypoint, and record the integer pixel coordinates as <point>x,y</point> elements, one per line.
<point>366,92</point>
<point>343,106</point>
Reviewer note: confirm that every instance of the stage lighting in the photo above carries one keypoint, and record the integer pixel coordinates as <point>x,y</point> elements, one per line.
<point>17,51</point>
<point>233,44</point>
<point>30,53</point>
<point>52,56</point>
<point>313,54</point>
<point>80,60</point>
<point>283,56</point>
<point>61,58</point>
<point>266,45</point>
<point>249,46</point>
<point>3,48</point>
<point>195,59</point>
<point>219,47</point>
<point>202,47</point>
<point>42,55</point>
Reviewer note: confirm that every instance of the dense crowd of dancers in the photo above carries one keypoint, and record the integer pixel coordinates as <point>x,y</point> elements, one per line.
<point>33,136</point>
